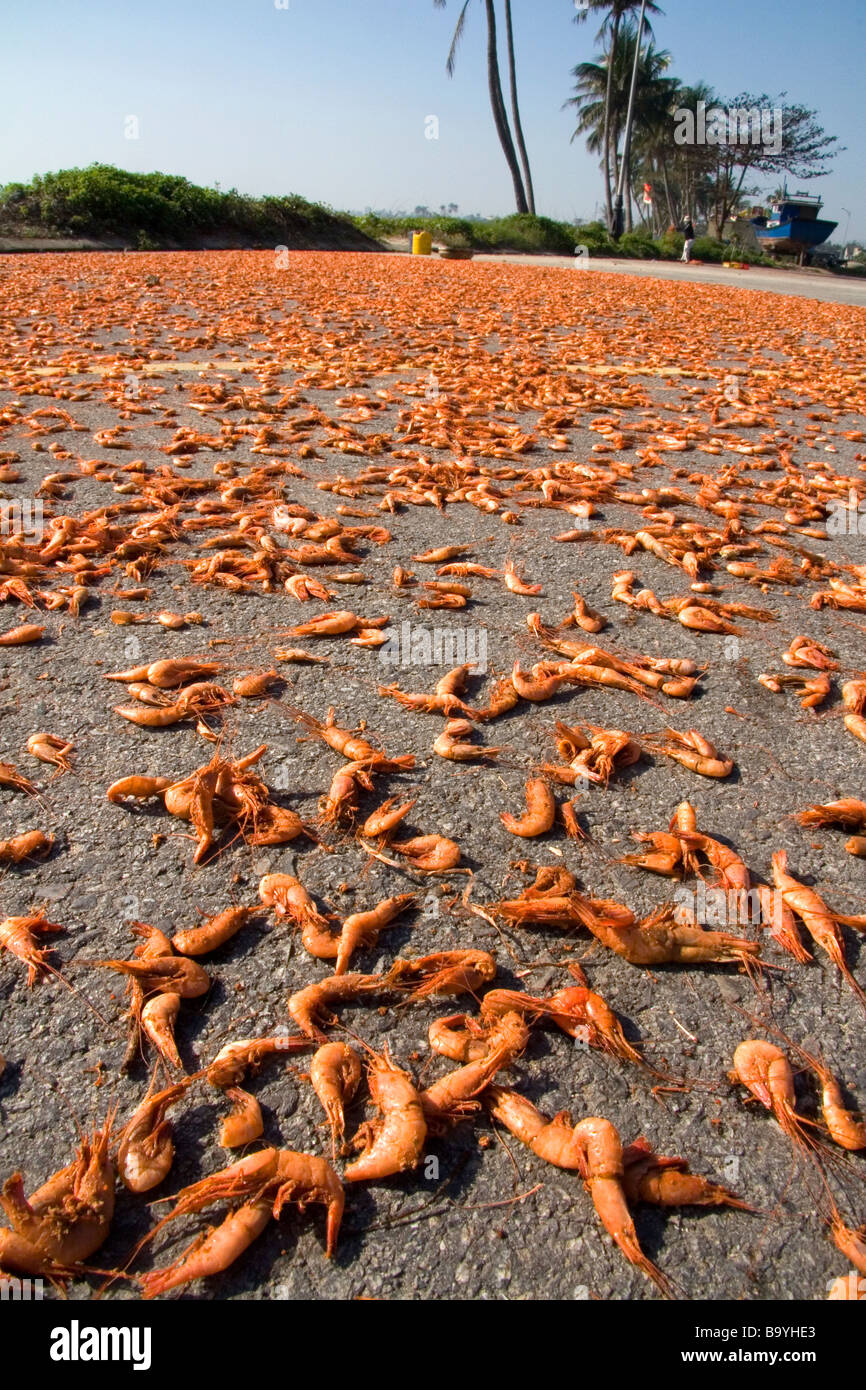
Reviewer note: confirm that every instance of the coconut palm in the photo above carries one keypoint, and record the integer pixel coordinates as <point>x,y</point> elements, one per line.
<point>614,12</point>
<point>601,99</point>
<point>494,86</point>
<point>515,110</point>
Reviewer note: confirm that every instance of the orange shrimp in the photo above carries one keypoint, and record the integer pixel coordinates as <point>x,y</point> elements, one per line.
<point>157,1019</point>
<point>363,928</point>
<point>341,803</point>
<point>453,1097</point>
<point>445,972</point>
<point>604,1161</point>
<point>779,921</point>
<point>692,750</point>
<point>851,1241</point>
<point>856,725</point>
<point>335,1074</point>
<point>444,552</point>
<point>849,813</point>
<point>165,974</point>
<point>660,938</point>
<point>534,687</point>
<point>553,1140</point>
<point>138,788</point>
<point>516,584</point>
<point>49,748</point>
<point>429,854</point>
<point>452,744</point>
<point>766,1072</point>
<point>266,1181</point>
<point>395,1141</point>
<point>21,636</point>
<point>667,1182</point>
<point>234,1060</point>
<point>843,1126</point>
<point>540,811</point>
<point>220,1248</point>
<point>381,823</point>
<point>198,941</point>
<point>732,872</point>
<point>256,683</point>
<point>343,741</point>
<point>12,778</point>
<point>174,671</point>
<point>460,1037</point>
<point>308,1005</point>
<point>577,1010</point>
<point>145,1149</point>
<point>816,916</point>
<point>244,1124</point>
<point>445,698</point>
<point>61,1224</point>
<point>18,936</point>
<point>26,846</point>
<point>289,898</point>
<point>335,624</point>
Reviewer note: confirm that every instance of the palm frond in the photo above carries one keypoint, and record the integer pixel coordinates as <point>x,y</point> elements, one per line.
<point>458,34</point>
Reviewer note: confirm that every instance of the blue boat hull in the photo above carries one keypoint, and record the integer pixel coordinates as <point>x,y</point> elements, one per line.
<point>799,234</point>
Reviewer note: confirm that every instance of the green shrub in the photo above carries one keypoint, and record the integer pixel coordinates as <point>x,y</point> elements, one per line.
<point>523,231</point>
<point>708,248</point>
<point>670,245</point>
<point>639,244</point>
<point>596,236</point>
<point>102,200</point>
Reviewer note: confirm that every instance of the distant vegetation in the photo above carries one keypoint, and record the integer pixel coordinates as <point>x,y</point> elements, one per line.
<point>154,211</point>
<point>526,233</point>
<point>149,211</point>
<point>519,232</point>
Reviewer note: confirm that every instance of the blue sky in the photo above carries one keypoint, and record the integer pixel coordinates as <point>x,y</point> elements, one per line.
<point>328,98</point>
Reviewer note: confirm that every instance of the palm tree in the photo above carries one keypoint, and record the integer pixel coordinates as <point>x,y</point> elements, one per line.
<point>601,98</point>
<point>614,13</point>
<point>515,111</point>
<point>494,85</point>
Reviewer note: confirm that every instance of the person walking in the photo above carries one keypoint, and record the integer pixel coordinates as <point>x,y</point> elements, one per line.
<point>689,234</point>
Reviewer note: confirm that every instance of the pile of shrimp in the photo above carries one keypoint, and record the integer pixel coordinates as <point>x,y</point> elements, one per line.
<point>421,414</point>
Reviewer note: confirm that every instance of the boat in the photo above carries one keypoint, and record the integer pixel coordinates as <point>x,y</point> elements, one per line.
<point>793,226</point>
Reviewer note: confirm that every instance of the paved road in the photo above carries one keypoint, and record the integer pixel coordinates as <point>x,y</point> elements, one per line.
<point>807,284</point>
<point>482,1220</point>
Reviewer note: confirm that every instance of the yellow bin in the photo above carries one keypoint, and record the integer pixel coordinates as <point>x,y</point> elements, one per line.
<point>422,243</point>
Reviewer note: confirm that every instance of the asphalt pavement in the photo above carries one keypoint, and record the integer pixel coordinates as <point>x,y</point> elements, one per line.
<point>486,1219</point>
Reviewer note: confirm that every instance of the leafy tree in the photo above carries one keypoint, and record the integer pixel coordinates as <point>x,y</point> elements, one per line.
<point>614,12</point>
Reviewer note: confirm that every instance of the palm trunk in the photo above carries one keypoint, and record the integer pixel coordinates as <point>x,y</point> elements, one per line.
<point>499,116</point>
<point>515,111</point>
<point>614,147</point>
<point>666,185</point>
<point>608,94</point>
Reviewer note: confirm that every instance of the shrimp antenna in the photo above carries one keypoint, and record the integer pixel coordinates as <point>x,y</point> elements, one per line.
<point>365,1046</point>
